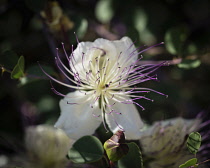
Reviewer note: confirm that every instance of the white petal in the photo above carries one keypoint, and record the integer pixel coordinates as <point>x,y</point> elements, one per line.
<point>112,49</point>
<point>126,46</point>
<point>87,52</point>
<point>82,47</point>
<point>120,53</point>
<point>129,120</point>
<point>77,120</point>
<point>88,47</point>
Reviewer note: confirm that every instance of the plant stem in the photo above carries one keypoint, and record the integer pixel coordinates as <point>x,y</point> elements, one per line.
<point>204,161</point>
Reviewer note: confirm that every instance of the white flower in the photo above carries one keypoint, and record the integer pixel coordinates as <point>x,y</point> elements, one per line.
<point>165,142</point>
<point>104,75</point>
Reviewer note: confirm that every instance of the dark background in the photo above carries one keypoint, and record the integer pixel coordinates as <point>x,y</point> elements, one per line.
<point>25,31</point>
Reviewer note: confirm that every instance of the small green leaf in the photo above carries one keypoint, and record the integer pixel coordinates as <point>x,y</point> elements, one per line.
<point>85,150</point>
<point>191,49</point>
<point>188,64</point>
<point>115,146</point>
<point>132,159</point>
<point>174,39</point>
<point>140,19</point>
<point>191,162</point>
<point>194,142</point>
<point>18,70</point>
<point>104,11</point>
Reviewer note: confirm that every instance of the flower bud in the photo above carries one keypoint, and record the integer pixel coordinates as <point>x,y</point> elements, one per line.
<point>47,145</point>
<point>115,146</point>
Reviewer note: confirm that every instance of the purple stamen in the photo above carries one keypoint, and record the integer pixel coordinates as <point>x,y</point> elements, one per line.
<point>64,84</point>
<point>117,124</point>
<point>64,72</point>
<point>65,52</point>
<point>76,37</point>
<point>150,47</point>
<point>55,91</point>
<point>94,115</point>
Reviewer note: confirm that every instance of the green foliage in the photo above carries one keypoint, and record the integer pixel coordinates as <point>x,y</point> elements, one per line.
<point>140,19</point>
<point>104,11</point>
<point>115,146</point>
<point>189,64</point>
<point>85,150</point>
<point>191,49</point>
<point>174,39</point>
<point>194,142</point>
<point>132,159</point>
<point>191,162</point>
<point>18,70</point>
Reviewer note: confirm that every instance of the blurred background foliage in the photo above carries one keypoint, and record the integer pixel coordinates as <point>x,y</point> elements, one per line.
<point>31,30</point>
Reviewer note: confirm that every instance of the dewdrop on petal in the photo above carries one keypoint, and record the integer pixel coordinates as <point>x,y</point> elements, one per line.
<point>47,146</point>
<point>105,75</point>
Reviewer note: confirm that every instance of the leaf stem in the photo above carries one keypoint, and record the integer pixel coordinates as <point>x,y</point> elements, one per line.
<point>5,70</point>
<point>203,162</point>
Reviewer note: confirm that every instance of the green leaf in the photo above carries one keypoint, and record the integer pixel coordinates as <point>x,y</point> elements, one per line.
<point>140,19</point>
<point>8,59</point>
<point>191,49</point>
<point>85,150</point>
<point>194,142</point>
<point>115,146</point>
<point>18,70</point>
<point>35,5</point>
<point>191,162</point>
<point>188,64</point>
<point>132,159</point>
<point>104,11</point>
<point>174,39</point>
